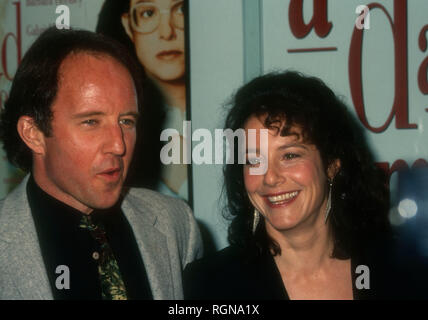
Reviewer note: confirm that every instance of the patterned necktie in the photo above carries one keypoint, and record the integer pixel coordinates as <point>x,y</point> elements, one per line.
<point>112,286</point>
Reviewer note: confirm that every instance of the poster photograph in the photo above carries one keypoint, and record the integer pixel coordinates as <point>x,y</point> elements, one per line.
<point>289,133</point>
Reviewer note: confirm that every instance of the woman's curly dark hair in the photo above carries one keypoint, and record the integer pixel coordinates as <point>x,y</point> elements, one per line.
<point>360,196</point>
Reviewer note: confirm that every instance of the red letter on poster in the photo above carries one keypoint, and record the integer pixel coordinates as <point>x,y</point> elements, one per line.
<point>319,19</point>
<point>423,69</point>
<point>17,39</point>
<point>400,107</point>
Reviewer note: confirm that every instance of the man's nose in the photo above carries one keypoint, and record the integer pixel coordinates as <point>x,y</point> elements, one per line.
<point>166,29</point>
<point>115,141</point>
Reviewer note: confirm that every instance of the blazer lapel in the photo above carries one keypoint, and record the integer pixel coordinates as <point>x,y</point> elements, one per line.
<point>21,258</point>
<point>152,242</point>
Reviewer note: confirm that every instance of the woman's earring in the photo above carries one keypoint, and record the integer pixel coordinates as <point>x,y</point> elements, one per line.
<point>328,207</point>
<point>256,220</point>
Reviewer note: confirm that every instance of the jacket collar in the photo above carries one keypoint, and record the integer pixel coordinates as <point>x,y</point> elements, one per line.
<point>23,262</point>
<point>151,239</point>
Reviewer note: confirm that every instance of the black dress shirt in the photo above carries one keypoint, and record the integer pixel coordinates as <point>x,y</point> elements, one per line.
<point>63,242</point>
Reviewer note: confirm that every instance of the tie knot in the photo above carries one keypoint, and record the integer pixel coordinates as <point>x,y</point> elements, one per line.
<point>96,229</point>
<point>86,222</point>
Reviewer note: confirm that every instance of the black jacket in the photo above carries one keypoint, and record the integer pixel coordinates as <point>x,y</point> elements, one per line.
<point>230,274</point>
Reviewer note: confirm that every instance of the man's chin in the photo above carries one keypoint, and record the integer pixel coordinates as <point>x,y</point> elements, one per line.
<point>106,201</point>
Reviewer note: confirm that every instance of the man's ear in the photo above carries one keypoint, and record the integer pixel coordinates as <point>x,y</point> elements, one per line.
<point>126,25</point>
<point>333,169</point>
<point>31,134</point>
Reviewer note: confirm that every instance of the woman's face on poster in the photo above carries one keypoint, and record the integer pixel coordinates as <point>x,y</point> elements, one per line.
<point>156,27</point>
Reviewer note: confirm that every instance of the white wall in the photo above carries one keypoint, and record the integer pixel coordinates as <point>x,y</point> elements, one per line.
<point>216,52</point>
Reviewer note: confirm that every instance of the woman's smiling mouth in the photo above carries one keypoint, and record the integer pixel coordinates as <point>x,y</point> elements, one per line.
<point>281,199</point>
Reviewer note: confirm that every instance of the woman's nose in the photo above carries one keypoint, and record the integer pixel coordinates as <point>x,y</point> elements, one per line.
<point>166,29</point>
<point>272,178</point>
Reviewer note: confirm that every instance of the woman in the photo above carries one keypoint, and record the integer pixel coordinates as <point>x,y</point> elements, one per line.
<point>301,229</point>
<point>154,31</point>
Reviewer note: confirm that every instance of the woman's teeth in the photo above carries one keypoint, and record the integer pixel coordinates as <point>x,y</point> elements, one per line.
<point>283,197</point>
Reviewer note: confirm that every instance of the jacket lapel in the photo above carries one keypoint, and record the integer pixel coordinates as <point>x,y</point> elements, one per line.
<point>21,260</point>
<point>152,243</point>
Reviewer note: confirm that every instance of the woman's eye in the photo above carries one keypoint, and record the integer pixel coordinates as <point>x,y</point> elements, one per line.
<point>148,13</point>
<point>179,9</point>
<point>253,161</point>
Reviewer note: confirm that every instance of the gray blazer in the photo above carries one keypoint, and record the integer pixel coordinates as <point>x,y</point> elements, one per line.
<point>164,227</point>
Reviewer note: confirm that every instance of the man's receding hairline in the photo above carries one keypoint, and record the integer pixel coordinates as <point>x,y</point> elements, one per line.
<point>95,54</point>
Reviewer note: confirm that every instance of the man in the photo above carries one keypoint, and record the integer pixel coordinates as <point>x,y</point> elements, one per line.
<point>70,230</point>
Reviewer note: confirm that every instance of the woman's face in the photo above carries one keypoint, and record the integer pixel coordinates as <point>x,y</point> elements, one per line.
<point>160,48</point>
<point>293,192</point>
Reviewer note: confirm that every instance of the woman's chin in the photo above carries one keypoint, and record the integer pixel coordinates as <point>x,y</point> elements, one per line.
<point>280,224</point>
<point>168,75</point>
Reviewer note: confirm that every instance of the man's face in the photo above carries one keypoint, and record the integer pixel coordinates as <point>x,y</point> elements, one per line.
<point>87,157</point>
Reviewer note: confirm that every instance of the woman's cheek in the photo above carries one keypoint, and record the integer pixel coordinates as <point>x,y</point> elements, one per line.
<point>145,48</point>
<point>251,181</point>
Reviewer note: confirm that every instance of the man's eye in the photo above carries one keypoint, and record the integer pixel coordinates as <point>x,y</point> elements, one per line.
<point>128,122</point>
<point>90,122</point>
<point>290,156</point>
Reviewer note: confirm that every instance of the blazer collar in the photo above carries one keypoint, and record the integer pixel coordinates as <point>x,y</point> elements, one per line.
<point>152,240</point>
<point>21,252</point>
